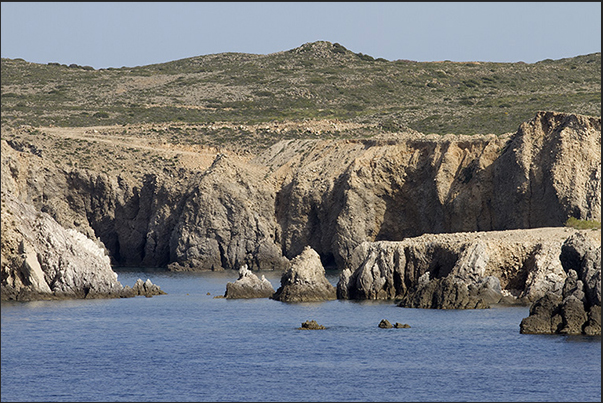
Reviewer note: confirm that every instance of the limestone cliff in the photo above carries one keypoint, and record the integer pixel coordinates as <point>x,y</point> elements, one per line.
<point>42,260</point>
<point>331,195</point>
<point>521,265</point>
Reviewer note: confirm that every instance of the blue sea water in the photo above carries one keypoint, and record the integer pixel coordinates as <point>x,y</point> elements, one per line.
<point>189,346</point>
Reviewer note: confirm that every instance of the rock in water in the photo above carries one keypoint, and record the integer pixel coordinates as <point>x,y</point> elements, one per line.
<point>385,324</point>
<point>578,309</point>
<point>311,325</point>
<point>248,285</point>
<point>145,288</point>
<point>305,280</point>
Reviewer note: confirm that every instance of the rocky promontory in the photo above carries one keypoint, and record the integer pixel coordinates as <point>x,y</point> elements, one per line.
<point>460,270</point>
<point>577,309</point>
<point>43,260</point>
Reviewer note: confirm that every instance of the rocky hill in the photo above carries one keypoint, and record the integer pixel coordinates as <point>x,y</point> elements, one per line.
<point>319,80</point>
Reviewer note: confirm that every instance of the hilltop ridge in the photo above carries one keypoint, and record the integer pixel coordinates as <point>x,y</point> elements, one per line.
<point>317,80</point>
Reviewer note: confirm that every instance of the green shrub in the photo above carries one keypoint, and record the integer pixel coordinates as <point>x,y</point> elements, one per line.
<point>582,224</point>
<point>337,48</point>
<point>101,115</point>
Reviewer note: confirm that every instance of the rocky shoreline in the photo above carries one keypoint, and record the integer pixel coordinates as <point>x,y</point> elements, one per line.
<point>446,222</point>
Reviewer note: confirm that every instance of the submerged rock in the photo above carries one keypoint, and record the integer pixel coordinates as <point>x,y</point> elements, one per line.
<point>248,285</point>
<point>311,325</point>
<point>385,324</point>
<point>305,280</point>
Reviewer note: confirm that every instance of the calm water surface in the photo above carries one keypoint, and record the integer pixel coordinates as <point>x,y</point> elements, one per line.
<point>189,346</point>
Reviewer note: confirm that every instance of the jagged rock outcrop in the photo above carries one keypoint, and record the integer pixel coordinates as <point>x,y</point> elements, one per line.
<point>228,221</point>
<point>217,219</point>
<point>461,270</point>
<point>329,194</point>
<point>444,293</point>
<point>42,260</point>
<point>577,310</point>
<point>385,324</point>
<point>144,288</point>
<point>305,280</point>
<point>248,285</point>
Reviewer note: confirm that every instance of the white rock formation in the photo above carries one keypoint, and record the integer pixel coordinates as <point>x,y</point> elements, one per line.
<point>248,285</point>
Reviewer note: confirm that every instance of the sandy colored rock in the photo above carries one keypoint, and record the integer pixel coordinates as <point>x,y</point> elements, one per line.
<point>525,263</point>
<point>332,195</point>
<point>305,280</point>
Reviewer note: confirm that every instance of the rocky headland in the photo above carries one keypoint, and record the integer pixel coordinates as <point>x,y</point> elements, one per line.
<point>341,198</point>
<point>43,260</point>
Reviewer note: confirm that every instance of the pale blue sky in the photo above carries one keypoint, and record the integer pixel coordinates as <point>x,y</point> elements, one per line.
<point>134,34</point>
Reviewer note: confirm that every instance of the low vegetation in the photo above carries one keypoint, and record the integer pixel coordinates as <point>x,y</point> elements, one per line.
<point>317,80</point>
<point>573,222</point>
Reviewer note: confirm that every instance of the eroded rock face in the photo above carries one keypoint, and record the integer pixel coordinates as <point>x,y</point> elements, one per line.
<point>305,280</point>
<point>228,221</point>
<point>461,270</point>
<point>578,309</point>
<point>329,194</point>
<point>42,260</point>
<point>248,285</point>
<point>340,194</point>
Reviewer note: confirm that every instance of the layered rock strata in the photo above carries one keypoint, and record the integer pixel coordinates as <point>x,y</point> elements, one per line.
<point>332,195</point>
<point>43,260</point>
<point>461,270</point>
<point>577,309</point>
<point>248,285</point>
<point>305,280</point>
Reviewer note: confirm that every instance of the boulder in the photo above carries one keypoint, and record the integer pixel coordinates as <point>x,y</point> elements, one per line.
<point>544,317</point>
<point>385,324</point>
<point>305,280</point>
<point>311,325</point>
<point>248,285</point>
<point>146,288</point>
